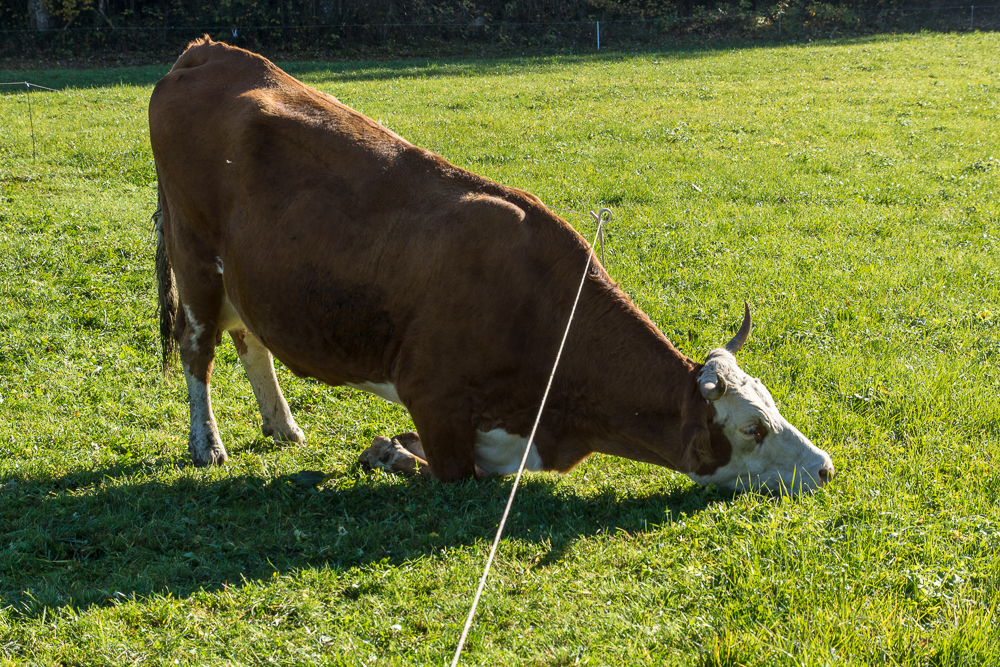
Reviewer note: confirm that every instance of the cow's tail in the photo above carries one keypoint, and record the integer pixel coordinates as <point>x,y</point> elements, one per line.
<point>167,292</point>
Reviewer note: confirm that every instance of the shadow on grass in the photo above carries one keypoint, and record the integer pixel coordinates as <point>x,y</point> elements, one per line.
<point>92,537</point>
<point>347,71</point>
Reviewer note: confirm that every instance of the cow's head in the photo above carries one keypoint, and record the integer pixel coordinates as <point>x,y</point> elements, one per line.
<point>766,451</point>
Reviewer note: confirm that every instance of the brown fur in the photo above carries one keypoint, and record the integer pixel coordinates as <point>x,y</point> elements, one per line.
<point>355,256</point>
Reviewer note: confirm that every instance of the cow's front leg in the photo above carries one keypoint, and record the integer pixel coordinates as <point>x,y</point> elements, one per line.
<point>447,437</point>
<point>277,420</point>
<point>197,351</point>
<point>411,442</point>
<point>396,455</point>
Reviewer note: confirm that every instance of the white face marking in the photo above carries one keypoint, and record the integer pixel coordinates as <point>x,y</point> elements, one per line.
<point>386,390</point>
<point>767,451</point>
<point>218,265</point>
<point>500,452</point>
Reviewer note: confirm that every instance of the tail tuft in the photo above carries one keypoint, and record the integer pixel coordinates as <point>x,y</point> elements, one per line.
<point>167,293</point>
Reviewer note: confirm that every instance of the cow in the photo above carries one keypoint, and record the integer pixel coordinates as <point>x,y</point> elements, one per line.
<point>309,232</point>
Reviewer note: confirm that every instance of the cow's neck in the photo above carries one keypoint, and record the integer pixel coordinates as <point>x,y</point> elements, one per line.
<point>631,386</point>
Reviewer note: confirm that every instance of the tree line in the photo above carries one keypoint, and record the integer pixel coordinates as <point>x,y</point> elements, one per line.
<point>97,24</point>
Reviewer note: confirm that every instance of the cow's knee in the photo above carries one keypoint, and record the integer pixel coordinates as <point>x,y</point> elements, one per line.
<point>452,470</point>
<point>391,456</point>
<point>447,437</point>
<point>411,442</point>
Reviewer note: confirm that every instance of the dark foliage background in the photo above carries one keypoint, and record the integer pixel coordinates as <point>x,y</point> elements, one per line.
<point>82,27</point>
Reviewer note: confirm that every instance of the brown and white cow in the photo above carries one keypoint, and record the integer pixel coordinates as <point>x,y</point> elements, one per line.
<point>305,229</point>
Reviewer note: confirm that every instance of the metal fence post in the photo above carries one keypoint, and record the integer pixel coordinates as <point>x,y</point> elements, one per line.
<point>972,16</point>
<point>31,116</point>
<point>598,35</point>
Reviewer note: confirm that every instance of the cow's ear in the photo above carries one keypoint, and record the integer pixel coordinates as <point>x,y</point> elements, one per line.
<point>695,436</point>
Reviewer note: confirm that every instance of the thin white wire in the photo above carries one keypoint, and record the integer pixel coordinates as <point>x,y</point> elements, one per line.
<point>27,84</point>
<point>599,217</point>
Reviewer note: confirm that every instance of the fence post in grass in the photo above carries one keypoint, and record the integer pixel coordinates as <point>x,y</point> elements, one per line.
<point>972,16</point>
<point>31,118</point>
<point>779,24</point>
<point>598,35</point>
<point>31,112</point>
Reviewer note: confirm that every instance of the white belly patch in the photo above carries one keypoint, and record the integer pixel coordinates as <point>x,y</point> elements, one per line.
<point>386,390</point>
<point>500,452</point>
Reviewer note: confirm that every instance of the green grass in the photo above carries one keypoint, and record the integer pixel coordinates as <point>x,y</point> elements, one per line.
<point>848,190</point>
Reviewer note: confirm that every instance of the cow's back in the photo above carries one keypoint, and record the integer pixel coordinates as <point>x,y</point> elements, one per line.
<point>350,252</point>
<point>225,120</point>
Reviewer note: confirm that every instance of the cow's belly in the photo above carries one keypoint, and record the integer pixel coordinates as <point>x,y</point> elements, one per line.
<point>497,451</point>
<point>310,312</point>
<point>386,390</point>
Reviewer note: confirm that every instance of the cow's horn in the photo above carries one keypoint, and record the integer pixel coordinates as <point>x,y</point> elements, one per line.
<point>741,336</point>
<point>713,387</point>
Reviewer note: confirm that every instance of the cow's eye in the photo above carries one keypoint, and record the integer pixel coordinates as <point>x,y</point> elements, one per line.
<point>756,431</point>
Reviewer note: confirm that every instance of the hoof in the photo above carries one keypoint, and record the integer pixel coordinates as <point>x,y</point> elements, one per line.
<point>391,456</point>
<point>206,449</point>
<point>203,459</point>
<point>380,454</point>
<point>283,433</point>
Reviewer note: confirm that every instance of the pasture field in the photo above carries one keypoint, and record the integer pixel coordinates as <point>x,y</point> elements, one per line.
<point>847,190</point>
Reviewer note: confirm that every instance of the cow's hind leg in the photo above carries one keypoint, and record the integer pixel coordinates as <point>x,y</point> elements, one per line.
<point>277,420</point>
<point>198,335</point>
<point>190,298</point>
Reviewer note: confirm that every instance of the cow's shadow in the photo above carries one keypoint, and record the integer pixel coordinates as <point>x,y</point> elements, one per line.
<point>95,536</point>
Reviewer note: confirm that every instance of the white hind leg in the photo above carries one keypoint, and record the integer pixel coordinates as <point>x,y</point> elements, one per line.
<point>259,366</point>
<point>197,349</point>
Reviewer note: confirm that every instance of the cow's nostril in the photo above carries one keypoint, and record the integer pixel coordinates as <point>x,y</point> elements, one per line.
<point>826,473</point>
